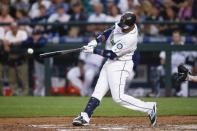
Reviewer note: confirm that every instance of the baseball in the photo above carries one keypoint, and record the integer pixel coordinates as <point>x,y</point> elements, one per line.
<point>30,51</point>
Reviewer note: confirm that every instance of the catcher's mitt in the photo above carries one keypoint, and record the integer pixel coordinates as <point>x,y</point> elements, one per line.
<point>182,73</point>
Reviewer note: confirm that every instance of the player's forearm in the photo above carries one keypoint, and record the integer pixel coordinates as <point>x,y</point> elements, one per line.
<point>104,36</point>
<point>105,53</point>
<point>192,78</point>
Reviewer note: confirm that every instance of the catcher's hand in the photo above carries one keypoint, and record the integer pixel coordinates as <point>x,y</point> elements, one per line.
<point>182,73</point>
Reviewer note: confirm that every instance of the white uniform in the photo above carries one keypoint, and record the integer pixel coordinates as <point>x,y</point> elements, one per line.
<point>21,35</point>
<point>2,33</point>
<point>91,68</point>
<point>114,73</point>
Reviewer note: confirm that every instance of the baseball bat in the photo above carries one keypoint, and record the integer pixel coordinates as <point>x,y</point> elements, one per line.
<point>61,52</point>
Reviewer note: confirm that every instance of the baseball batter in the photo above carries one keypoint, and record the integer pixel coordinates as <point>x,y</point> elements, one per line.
<point>122,42</point>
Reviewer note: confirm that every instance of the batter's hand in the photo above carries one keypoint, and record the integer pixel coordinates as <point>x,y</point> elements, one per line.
<point>88,49</point>
<point>92,43</point>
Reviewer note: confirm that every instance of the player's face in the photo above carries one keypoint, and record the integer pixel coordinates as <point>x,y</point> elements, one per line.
<point>176,38</point>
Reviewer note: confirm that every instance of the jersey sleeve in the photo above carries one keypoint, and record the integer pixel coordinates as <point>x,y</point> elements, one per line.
<point>104,36</point>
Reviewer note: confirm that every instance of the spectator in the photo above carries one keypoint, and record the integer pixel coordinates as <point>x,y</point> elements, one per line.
<point>5,2</point>
<point>16,63</point>
<point>114,15</point>
<point>168,13</point>
<point>74,32</point>
<point>194,10</point>
<point>3,42</point>
<point>42,14</point>
<point>55,4</point>
<point>37,8</point>
<point>20,5</point>
<point>77,11</point>
<point>107,5</point>
<point>15,36</point>
<point>36,41</point>
<point>194,15</point>
<point>21,17</point>
<point>77,14</point>
<point>97,16</point>
<point>151,13</point>
<point>185,11</point>
<point>59,16</point>
<point>5,17</point>
<point>128,5</point>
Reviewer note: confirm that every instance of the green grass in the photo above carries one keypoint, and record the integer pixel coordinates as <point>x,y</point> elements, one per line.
<point>71,106</point>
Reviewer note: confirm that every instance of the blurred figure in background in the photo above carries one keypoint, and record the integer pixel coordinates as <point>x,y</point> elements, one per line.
<point>77,11</point>
<point>83,75</point>
<point>37,40</point>
<point>21,17</point>
<point>5,17</point>
<point>114,15</point>
<point>55,4</point>
<point>60,16</point>
<point>76,77</point>
<point>41,15</point>
<point>157,76</point>
<point>178,58</point>
<point>77,14</point>
<point>97,16</point>
<point>16,67</point>
<point>20,5</point>
<point>128,5</point>
<point>36,10</point>
<point>5,88</point>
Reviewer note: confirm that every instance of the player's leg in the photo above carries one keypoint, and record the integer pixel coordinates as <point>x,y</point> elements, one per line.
<point>117,82</point>
<point>100,90</point>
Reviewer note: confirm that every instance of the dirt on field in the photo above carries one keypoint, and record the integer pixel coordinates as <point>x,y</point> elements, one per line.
<point>99,123</point>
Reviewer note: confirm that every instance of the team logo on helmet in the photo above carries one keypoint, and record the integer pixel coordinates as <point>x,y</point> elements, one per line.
<point>119,46</point>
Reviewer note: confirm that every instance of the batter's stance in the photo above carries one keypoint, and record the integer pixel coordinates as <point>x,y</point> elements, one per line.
<point>122,42</point>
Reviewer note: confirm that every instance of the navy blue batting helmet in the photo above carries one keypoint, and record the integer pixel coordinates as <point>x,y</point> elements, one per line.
<point>127,20</point>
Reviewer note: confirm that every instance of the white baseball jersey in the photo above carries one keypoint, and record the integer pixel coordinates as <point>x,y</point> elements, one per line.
<point>123,44</point>
<point>20,36</point>
<point>115,73</point>
<point>2,33</point>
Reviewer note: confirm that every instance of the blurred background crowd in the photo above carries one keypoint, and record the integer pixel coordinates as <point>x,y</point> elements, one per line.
<point>100,11</point>
<point>26,30</point>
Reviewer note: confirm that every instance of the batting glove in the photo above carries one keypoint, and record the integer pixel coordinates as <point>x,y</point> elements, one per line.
<point>88,49</point>
<point>92,43</point>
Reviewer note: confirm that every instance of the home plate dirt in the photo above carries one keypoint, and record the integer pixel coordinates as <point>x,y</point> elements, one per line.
<point>172,123</point>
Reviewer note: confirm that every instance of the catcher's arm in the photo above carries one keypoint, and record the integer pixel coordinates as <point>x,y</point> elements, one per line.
<point>192,78</point>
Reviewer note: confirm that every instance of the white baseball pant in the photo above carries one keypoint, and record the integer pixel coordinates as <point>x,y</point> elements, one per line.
<point>113,76</point>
